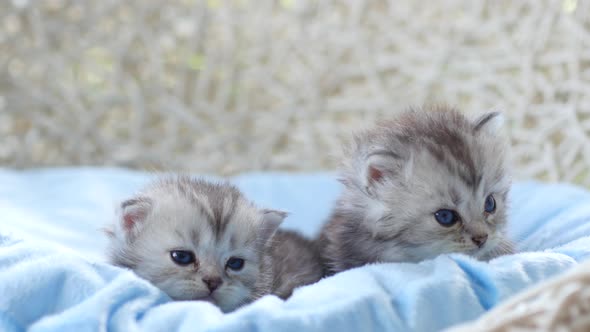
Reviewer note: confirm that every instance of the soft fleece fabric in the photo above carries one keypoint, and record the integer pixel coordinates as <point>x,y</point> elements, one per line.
<point>53,276</point>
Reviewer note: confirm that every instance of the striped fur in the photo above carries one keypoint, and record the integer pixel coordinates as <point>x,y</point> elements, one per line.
<point>215,221</point>
<point>399,173</point>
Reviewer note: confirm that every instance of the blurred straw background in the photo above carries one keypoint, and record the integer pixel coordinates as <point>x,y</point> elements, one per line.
<point>232,86</point>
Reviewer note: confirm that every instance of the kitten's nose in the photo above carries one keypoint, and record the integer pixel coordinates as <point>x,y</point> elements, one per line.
<point>212,282</point>
<point>479,240</point>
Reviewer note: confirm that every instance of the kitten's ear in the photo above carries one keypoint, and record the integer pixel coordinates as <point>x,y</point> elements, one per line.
<point>490,122</point>
<point>133,214</point>
<point>380,165</point>
<point>271,220</point>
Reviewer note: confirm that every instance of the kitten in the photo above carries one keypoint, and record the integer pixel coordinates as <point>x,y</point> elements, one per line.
<point>423,184</point>
<point>197,240</point>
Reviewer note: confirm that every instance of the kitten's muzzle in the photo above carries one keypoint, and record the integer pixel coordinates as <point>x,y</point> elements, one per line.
<point>479,240</point>
<point>212,283</point>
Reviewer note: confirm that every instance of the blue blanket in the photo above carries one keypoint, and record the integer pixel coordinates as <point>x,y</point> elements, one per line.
<point>53,276</point>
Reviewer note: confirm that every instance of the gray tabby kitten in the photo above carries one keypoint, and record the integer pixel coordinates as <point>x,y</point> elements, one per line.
<point>197,240</point>
<point>426,183</point>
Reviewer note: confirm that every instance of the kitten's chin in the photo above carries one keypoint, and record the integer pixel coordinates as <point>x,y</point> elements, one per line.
<point>186,296</point>
<point>207,298</point>
<point>210,299</point>
<point>493,250</point>
<point>217,300</point>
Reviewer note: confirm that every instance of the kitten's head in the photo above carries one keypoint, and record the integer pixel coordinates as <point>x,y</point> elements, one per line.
<point>196,240</point>
<point>434,181</point>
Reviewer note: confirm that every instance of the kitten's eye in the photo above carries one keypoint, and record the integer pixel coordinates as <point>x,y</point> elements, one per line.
<point>235,263</point>
<point>490,204</point>
<point>182,257</point>
<point>446,217</point>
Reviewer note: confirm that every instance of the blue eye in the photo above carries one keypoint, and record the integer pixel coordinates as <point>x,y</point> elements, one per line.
<point>446,217</point>
<point>182,257</point>
<point>235,263</point>
<point>490,205</point>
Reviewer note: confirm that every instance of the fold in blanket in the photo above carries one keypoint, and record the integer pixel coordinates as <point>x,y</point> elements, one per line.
<point>45,288</point>
<point>50,290</point>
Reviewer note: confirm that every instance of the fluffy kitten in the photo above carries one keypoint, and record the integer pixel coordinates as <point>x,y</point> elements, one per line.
<point>426,183</point>
<point>198,240</point>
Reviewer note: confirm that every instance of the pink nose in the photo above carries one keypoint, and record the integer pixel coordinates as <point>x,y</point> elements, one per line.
<point>479,240</point>
<point>212,282</point>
